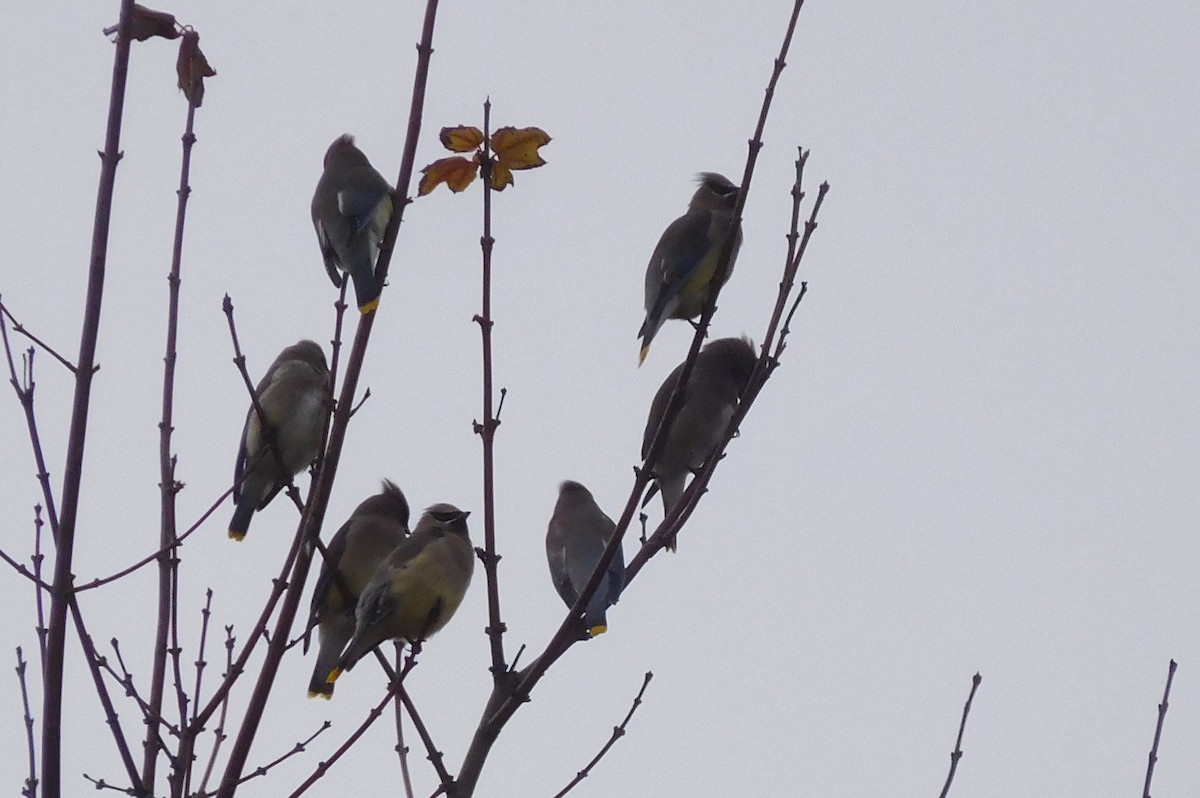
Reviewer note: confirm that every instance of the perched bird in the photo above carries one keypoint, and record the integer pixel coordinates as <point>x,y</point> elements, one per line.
<point>376,527</point>
<point>350,209</point>
<point>684,263</point>
<point>292,396</point>
<point>711,396</point>
<point>417,588</point>
<point>578,532</point>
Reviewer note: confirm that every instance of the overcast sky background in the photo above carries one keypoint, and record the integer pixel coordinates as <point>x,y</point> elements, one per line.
<point>980,453</point>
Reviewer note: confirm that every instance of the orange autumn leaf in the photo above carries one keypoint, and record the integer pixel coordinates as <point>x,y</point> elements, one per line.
<point>192,68</point>
<point>517,148</point>
<point>501,176</point>
<point>456,172</point>
<point>463,138</point>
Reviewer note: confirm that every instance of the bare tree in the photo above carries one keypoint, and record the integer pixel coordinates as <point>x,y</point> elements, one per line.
<point>177,707</point>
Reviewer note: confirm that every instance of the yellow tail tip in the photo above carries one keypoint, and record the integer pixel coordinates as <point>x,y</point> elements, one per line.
<point>333,675</point>
<point>642,354</point>
<point>369,307</point>
<point>598,629</point>
<point>320,694</point>
<point>238,536</point>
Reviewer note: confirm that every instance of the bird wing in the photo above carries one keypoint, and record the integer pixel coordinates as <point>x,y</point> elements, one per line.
<point>677,257</point>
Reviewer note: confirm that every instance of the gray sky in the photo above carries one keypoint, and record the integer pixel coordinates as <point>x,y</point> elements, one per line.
<point>980,453</point>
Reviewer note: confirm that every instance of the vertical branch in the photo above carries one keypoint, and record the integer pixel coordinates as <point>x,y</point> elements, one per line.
<point>168,486</point>
<point>322,488</point>
<point>73,469</point>
<point>398,705</point>
<point>487,430</point>
<point>1162,715</point>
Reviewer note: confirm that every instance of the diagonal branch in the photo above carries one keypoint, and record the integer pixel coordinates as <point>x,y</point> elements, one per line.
<point>314,516</point>
<point>957,753</point>
<point>617,733</point>
<point>1162,715</point>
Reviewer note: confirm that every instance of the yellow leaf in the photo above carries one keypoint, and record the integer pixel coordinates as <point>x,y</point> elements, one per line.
<point>518,148</point>
<point>461,139</point>
<point>456,172</point>
<point>501,176</point>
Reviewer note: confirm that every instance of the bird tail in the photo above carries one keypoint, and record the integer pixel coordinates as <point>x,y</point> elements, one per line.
<point>672,491</point>
<point>242,514</point>
<point>649,329</point>
<point>366,289</point>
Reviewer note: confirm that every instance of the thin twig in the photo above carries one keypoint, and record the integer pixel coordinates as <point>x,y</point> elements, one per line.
<point>298,748</point>
<point>401,748</point>
<point>25,389</point>
<point>31,782</point>
<point>1162,715</point>
<point>218,732</point>
<point>104,580</point>
<point>201,662</point>
<point>957,753</point>
<point>395,686</point>
<point>20,328</point>
<point>169,487</point>
<point>617,733</point>
<point>431,751</point>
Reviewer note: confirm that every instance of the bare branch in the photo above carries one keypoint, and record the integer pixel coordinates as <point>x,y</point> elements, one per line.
<point>487,429</point>
<point>617,733</point>
<point>20,328</point>
<point>401,748</point>
<point>1162,715</point>
<point>63,595</point>
<point>957,753</point>
<point>31,781</point>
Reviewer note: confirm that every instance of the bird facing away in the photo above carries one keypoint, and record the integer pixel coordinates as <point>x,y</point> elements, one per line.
<point>417,588</point>
<point>350,210</point>
<point>578,532</point>
<point>376,527</point>
<point>710,398</point>
<point>683,266</point>
<point>292,395</point>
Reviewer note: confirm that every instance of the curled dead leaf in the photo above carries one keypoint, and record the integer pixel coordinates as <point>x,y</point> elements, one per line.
<point>146,23</point>
<point>192,68</point>
<point>456,172</point>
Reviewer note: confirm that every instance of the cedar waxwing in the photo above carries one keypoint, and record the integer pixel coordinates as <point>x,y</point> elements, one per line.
<point>685,260</point>
<point>417,588</point>
<point>376,527</point>
<point>350,209</point>
<point>292,396</point>
<point>710,398</point>
<point>579,530</point>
